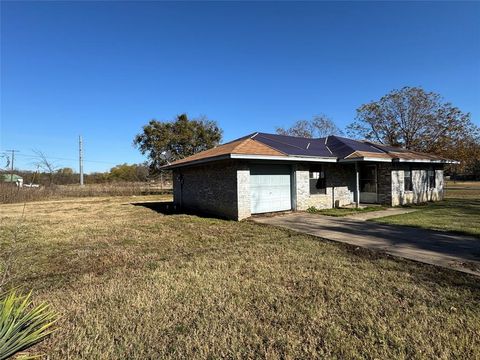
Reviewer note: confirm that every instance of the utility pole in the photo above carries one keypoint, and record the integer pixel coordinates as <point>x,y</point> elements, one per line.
<point>13,160</point>
<point>80,158</point>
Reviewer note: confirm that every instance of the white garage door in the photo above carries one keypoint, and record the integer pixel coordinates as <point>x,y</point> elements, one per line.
<point>270,188</point>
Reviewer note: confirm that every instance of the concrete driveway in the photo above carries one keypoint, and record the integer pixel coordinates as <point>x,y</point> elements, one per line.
<point>432,247</point>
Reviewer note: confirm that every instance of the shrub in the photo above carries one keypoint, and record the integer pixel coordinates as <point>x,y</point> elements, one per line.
<point>21,323</point>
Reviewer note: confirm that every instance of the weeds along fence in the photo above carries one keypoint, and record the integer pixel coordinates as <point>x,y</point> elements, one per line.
<point>12,194</point>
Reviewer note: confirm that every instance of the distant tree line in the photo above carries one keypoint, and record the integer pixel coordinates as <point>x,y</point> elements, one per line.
<point>67,176</point>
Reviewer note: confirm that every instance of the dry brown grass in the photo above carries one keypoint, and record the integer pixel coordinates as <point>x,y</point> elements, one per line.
<point>131,283</point>
<point>11,194</point>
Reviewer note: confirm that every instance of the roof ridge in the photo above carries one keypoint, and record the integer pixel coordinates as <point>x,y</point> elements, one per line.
<point>297,137</point>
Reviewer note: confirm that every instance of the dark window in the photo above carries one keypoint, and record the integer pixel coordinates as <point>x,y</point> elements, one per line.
<point>431,178</point>
<point>368,178</point>
<point>318,181</point>
<point>407,180</point>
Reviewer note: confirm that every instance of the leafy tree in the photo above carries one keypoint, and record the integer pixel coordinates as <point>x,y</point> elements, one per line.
<point>319,126</point>
<point>65,171</point>
<point>125,172</point>
<point>179,138</point>
<point>66,175</point>
<point>467,151</point>
<point>418,120</point>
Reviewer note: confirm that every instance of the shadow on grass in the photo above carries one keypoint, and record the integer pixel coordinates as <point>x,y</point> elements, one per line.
<point>162,207</point>
<point>169,208</point>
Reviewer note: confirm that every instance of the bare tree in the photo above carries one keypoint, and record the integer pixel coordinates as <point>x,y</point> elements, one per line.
<point>46,165</point>
<point>301,128</point>
<point>319,126</point>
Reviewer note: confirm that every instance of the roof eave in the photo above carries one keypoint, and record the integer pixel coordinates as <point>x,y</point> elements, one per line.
<point>435,161</point>
<point>294,158</point>
<point>365,158</point>
<point>194,162</point>
<point>250,157</point>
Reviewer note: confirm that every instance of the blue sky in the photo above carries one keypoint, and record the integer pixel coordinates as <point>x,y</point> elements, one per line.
<point>104,69</point>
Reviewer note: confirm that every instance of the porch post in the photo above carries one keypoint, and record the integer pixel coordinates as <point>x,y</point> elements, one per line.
<point>357,185</point>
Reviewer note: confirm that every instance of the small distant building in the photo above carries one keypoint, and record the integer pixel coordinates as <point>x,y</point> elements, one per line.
<point>9,178</point>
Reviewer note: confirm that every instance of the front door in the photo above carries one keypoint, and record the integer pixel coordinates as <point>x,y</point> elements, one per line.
<point>368,184</point>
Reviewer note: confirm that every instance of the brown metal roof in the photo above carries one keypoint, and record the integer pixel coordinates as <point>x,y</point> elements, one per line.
<point>414,155</point>
<point>245,146</point>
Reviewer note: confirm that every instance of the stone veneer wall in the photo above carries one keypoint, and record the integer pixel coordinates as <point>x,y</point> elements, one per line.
<point>340,187</point>
<point>421,192</point>
<point>210,188</point>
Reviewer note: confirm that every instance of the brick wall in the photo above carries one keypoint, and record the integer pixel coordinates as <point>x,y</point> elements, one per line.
<point>209,188</point>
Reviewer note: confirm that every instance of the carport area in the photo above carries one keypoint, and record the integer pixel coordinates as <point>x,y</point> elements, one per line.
<point>448,250</point>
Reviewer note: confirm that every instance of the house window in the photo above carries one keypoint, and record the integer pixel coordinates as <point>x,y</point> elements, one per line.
<point>407,180</point>
<point>318,182</point>
<point>368,179</point>
<point>431,178</point>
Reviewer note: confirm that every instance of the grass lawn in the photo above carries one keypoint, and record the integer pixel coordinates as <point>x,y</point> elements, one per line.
<point>338,212</point>
<point>131,283</point>
<point>459,212</point>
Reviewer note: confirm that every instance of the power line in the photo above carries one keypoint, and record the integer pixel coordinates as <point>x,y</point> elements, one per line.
<point>32,156</point>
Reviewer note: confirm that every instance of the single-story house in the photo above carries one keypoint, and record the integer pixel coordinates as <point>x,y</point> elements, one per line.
<point>262,173</point>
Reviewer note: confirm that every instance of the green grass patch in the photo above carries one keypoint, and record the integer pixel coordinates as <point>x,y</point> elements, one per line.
<point>338,212</point>
<point>458,213</point>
